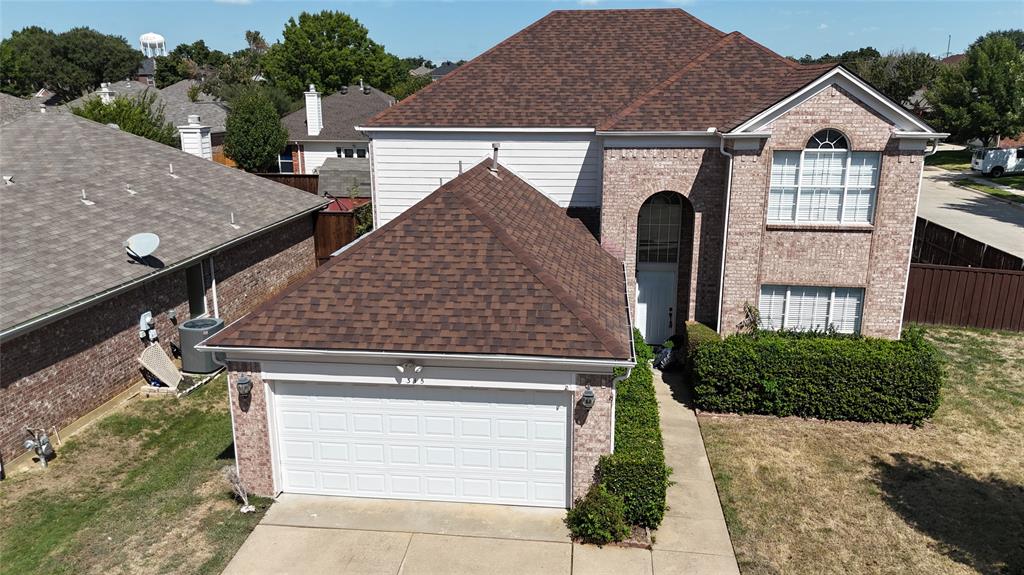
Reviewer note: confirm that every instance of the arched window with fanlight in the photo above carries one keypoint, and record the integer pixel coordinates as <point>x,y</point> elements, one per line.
<point>825,183</point>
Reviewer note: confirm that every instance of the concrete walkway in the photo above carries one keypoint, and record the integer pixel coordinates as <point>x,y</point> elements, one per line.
<point>693,538</point>
<point>305,534</point>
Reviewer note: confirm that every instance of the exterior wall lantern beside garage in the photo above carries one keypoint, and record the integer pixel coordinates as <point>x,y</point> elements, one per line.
<point>588,399</point>
<point>244,386</point>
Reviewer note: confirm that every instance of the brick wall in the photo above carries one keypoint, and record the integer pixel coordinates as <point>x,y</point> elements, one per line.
<point>251,431</point>
<point>592,431</point>
<point>61,371</point>
<point>633,175</point>
<point>874,259</point>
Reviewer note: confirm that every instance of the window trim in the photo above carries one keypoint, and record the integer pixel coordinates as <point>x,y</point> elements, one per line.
<point>784,323</point>
<point>842,221</point>
<point>290,149</point>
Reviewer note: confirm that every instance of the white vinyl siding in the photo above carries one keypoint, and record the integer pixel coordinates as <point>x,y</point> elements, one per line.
<point>811,308</point>
<point>409,166</point>
<point>314,154</point>
<point>823,186</point>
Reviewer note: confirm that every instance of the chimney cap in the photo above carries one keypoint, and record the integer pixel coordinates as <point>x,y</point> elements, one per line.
<point>312,88</point>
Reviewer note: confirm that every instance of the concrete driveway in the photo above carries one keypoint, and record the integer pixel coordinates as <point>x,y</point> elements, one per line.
<point>308,535</point>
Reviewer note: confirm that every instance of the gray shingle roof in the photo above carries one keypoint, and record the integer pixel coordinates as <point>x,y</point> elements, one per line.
<point>342,113</point>
<point>57,251</point>
<point>337,175</point>
<point>13,107</point>
<point>177,106</point>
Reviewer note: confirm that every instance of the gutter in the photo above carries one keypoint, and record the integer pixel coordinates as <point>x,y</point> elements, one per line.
<point>495,129</point>
<point>690,133</point>
<point>71,308</point>
<point>292,354</point>
<point>632,354</point>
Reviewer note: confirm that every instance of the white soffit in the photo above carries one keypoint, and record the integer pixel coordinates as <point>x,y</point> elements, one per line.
<point>901,119</point>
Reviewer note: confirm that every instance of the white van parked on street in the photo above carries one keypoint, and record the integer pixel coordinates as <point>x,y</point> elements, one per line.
<point>997,161</point>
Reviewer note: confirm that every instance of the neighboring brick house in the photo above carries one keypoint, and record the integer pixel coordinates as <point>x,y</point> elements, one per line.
<point>720,173</point>
<point>462,352</point>
<point>325,128</point>
<point>71,297</point>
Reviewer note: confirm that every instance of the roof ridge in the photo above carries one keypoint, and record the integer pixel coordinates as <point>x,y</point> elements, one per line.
<point>668,81</point>
<point>601,333</point>
<point>458,70</point>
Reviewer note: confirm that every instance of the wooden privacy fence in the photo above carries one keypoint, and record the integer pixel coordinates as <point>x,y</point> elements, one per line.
<point>305,182</point>
<point>970,297</point>
<point>935,244</point>
<point>332,230</point>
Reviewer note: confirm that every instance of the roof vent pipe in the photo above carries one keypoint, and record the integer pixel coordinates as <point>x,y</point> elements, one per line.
<point>494,158</point>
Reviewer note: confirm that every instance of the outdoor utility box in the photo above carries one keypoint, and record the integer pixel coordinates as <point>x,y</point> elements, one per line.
<point>191,333</point>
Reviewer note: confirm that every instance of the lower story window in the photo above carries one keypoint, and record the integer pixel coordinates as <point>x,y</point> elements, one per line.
<point>811,308</point>
<point>285,165</point>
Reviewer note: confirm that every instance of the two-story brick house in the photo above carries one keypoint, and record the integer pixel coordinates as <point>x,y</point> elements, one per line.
<point>719,172</point>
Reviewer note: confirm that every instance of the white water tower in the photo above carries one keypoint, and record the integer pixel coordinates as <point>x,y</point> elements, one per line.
<point>153,45</point>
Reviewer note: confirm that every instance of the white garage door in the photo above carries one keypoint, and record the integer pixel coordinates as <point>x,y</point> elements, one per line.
<point>417,442</point>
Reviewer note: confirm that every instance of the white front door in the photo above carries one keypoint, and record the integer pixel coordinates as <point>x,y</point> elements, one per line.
<point>655,301</point>
<point>423,442</point>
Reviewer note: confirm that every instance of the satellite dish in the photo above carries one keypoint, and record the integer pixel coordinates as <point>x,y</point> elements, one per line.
<point>142,245</point>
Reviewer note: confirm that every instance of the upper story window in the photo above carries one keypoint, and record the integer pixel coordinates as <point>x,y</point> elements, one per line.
<point>824,183</point>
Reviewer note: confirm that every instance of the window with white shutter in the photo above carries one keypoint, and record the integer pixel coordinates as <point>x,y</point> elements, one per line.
<point>811,308</point>
<point>825,183</point>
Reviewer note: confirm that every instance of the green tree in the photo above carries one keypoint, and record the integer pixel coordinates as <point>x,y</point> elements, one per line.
<point>982,96</point>
<point>193,61</point>
<point>140,114</point>
<point>900,74</point>
<point>329,49</point>
<point>255,135</point>
<point>409,86</point>
<point>1015,36</point>
<point>847,58</point>
<point>68,64</point>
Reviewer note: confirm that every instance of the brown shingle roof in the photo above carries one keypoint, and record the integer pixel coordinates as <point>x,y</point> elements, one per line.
<point>732,81</point>
<point>484,265</point>
<point>608,69</point>
<point>569,69</point>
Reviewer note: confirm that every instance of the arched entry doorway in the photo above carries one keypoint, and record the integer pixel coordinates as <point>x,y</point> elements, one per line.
<point>664,241</point>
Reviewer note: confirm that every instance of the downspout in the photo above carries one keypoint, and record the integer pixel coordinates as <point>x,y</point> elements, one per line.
<point>632,354</point>
<point>725,232</point>
<point>213,288</point>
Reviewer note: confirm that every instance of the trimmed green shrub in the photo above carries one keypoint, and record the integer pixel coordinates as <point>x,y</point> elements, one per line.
<point>636,472</point>
<point>824,376</point>
<point>598,517</point>
<point>697,334</point>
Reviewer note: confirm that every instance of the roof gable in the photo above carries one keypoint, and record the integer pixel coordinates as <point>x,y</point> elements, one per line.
<point>484,265</point>
<point>342,112</point>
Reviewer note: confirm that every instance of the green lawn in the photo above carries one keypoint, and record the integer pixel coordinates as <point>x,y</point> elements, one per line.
<point>992,191</point>
<point>142,491</point>
<point>808,496</point>
<point>1014,181</point>
<point>956,160</point>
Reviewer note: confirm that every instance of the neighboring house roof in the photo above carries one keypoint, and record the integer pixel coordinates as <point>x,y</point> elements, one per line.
<point>13,107</point>
<point>443,70</point>
<point>341,114</point>
<point>420,70</point>
<point>484,265</point>
<point>952,60</point>
<point>1017,142</point>
<point>338,175</point>
<point>608,69</point>
<point>58,251</point>
<point>177,105</point>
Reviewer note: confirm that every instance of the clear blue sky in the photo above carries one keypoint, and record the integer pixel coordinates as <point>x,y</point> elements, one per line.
<point>451,30</point>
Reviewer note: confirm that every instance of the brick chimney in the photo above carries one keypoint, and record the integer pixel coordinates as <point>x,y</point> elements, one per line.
<point>314,113</point>
<point>195,138</point>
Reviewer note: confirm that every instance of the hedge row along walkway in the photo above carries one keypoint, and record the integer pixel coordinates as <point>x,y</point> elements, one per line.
<point>693,538</point>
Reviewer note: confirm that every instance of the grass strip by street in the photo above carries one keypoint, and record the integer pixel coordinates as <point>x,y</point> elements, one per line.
<point>956,160</point>
<point>1001,194</point>
<point>142,491</point>
<point>811,496</point>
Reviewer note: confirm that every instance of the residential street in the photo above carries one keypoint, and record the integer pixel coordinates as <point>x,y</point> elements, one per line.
<point>974,214</point>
